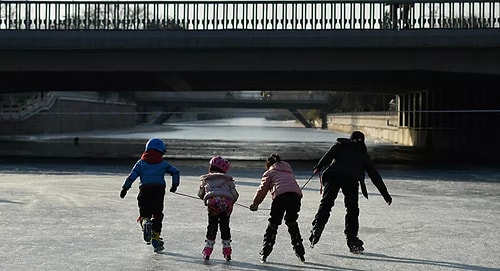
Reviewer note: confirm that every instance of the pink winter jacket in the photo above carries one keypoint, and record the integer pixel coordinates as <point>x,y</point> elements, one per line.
<point>278,179</point>
<point>217,184</point>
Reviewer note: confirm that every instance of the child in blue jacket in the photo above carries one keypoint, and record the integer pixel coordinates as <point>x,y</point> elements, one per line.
<point>151,169</point>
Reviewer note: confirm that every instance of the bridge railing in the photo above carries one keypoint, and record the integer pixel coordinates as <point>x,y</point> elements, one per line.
<point>248,15</point>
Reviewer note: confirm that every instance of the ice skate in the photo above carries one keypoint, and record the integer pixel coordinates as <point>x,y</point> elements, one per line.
<point>157,242</point>
<point>207,250</point>
<point>269,240</point>
<point>265,251</point>
<point>314,239</point>
<point>146,225</point>
<point>226,249</point>
<point>355,245</point>
<point>299,251</point>
<point>263,258</point>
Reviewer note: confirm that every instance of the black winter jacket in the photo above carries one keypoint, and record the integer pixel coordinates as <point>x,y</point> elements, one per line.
<point>351,159</point>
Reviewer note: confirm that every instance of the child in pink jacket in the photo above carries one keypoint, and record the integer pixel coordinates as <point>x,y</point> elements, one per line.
<point>280,181</point>
<point>218,191</point>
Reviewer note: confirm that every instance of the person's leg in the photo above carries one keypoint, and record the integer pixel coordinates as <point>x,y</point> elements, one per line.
<point>275,219</point>
<point>158,196</point>
<point>225,230</point>
<point>210,236</point>
<point>213,222</point>
<point>331,189</point>
<point>145,203</point>
<point>291,216</point>
<point>225,233</point>
<point>351,197</point>
<point>269,240</point>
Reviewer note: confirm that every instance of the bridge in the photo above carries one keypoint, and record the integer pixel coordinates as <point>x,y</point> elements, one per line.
<point>440,58</point>
<point>238,45</point>
<point>171,102</point>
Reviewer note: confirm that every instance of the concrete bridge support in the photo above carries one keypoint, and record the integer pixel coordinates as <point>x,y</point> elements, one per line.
<point>459,121</point>
<point>300,118</point>
<point>456,120</point>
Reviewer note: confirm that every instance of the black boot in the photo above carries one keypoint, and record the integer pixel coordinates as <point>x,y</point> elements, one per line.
<point>296,238</point>
<point>269,240</point>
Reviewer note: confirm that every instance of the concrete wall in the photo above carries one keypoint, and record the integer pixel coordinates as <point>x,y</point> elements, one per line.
<point>72,114</point>
<point>381,125</point>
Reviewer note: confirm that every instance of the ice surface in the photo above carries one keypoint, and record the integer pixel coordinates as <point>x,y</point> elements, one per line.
<point>57,217</point>
<point>67,215</point>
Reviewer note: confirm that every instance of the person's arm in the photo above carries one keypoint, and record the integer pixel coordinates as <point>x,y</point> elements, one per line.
<point>326,159</point>
<point>174,172</point>
<point>377,181</point>
<point>201,189</point>
<point>234,192</point>
<point>134,173</point>
<point>261,193</point>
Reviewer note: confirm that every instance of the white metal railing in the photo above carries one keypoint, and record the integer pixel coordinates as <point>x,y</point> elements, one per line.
<point>19,107</point>
<point>248,15</point>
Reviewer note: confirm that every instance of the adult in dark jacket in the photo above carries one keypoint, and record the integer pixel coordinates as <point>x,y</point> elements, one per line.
<point>343,167</point>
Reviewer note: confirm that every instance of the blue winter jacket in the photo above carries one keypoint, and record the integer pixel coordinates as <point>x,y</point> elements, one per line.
<point>152,174</point>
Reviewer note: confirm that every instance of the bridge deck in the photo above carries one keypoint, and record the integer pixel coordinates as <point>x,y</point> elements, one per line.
<point>238,103</point>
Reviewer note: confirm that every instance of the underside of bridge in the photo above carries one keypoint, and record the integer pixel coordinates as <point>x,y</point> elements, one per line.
<point>361,81</point>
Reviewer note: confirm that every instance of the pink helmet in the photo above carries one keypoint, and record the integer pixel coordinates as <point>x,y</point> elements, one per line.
<point>220,163</point>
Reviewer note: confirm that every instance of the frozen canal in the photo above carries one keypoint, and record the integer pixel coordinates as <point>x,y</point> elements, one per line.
<point>67,215</point>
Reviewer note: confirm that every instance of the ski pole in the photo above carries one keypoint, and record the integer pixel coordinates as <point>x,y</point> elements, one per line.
<point>242,205</point>
<point>308,181</point>
<point>193,197</point>
<point>186,195</point>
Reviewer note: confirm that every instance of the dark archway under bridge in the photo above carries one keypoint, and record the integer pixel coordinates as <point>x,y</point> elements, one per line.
<point>292,105</point>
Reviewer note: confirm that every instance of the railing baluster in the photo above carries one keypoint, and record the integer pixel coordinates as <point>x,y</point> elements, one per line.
<point>250,15</point>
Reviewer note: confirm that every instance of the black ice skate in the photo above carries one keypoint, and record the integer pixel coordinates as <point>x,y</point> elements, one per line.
<point>157,242</point>
<point>299,251</point>
<point>264,252</point>
<point>355,245</point>
<point>314,238</point>
<point>146,225</point>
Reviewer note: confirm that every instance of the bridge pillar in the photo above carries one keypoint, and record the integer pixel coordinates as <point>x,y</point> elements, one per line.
<point>454,120</point>
<point>324,120</point>
<point>300,118</point>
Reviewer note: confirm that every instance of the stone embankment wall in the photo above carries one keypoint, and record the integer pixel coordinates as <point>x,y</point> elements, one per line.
<point>381,125</point>
<point>70,112</point>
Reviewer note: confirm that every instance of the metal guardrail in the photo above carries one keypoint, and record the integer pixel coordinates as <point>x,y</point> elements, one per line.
<point>21,107</point>
<point>18,107</point>
<point>248,15</point>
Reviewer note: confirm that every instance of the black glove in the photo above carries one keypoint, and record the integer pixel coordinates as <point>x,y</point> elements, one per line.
<point>123,193</point>
<point>173,189</point>
<point>254,207</point>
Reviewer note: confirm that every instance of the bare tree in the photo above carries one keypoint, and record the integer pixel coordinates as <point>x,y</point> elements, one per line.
<point>117,17</point>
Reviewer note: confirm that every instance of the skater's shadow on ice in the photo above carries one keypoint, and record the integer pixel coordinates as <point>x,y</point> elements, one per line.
<point>9,201</point>
<point>277,266</point>
<point>271,266</point>
<point>393,259</point>
<point>179,257</point>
